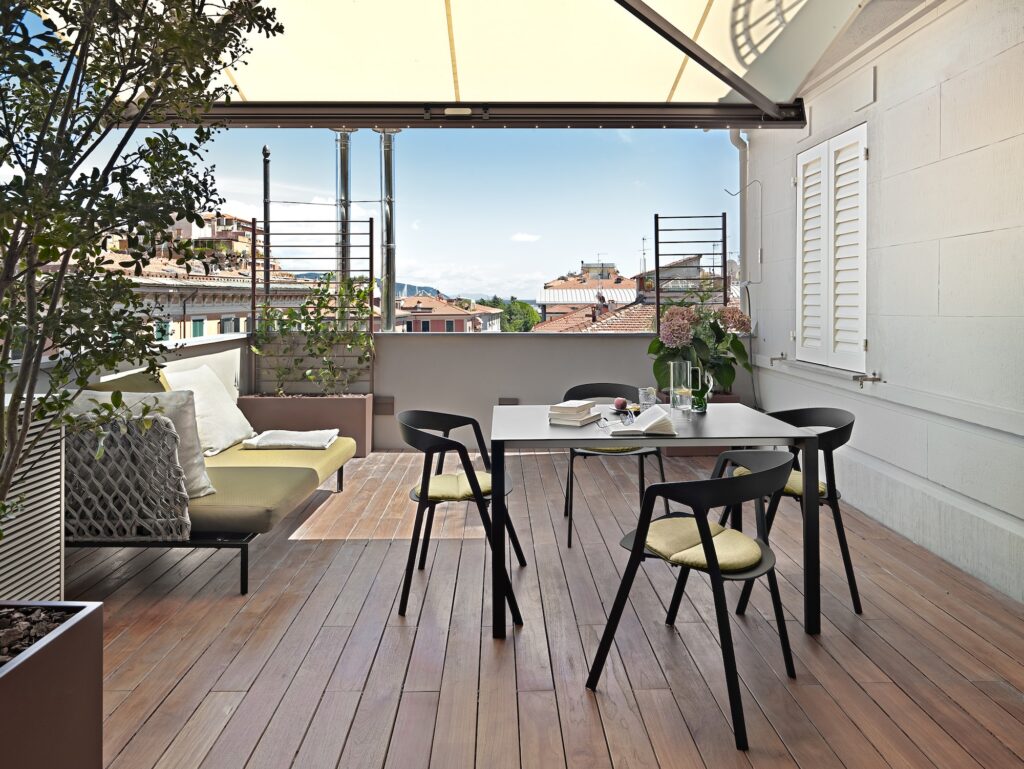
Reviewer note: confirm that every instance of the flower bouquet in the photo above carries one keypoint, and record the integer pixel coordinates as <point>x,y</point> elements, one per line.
<point>708,337</point>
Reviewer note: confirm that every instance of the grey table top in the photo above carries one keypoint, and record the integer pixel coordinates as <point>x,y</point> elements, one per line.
<point>724,424</point>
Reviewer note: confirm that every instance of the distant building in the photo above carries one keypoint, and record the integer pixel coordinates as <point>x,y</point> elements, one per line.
<point>221,233</point>
<point>596,283</point>
<point>425,313</point>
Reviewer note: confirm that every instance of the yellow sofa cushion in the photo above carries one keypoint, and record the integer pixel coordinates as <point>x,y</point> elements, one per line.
<point>135,382</point>
<point>453,487</point>
<point>677,540</point>
<point>324,462</point>
<point>794,486</point>
<point>251,499</point>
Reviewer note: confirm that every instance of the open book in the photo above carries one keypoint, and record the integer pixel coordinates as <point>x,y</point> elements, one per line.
<point>654,421</point>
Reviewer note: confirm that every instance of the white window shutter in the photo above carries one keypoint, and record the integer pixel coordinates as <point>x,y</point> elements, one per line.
<point>848,251</point>
<point>812,267</point>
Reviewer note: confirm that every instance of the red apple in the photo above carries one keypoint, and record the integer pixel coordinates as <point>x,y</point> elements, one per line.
<point>620,404</point>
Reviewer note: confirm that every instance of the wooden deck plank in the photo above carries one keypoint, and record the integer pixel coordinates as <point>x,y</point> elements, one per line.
<point>314,668</point>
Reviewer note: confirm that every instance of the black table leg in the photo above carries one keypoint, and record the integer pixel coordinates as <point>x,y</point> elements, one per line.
<point>498,515</point>
<point>812,554</point>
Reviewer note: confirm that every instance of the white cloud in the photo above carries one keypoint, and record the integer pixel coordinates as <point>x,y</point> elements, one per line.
<point>416,224</point>
<point>525,237</point>
<point>456,277</point>
<point>626,137</point>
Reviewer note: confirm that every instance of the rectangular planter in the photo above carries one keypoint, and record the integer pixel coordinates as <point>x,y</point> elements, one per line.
<point>703,451</point>
<point>351,414</point>
<point>52,694</point>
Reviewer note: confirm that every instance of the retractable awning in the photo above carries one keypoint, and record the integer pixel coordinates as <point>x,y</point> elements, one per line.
<point>565,63</point>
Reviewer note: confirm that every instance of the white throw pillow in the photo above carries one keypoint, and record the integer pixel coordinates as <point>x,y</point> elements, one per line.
<point>180,408</point>
<point>221,422</point>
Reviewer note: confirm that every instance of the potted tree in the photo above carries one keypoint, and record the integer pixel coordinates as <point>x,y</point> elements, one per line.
<point>79,81</point>
<point>308,359</point>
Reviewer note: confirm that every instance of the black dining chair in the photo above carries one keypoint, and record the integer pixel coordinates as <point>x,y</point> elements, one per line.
<point>834,428</point>
<point>607,391</point>
<point>690,541</point>
<point>429,432</point>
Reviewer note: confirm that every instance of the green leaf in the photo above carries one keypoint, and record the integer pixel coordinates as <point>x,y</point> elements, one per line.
<point>655,347</point>
<point>661,375</point>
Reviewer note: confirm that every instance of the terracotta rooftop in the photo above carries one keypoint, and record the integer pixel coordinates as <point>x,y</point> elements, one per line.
<point>577,320</point>
<point>591,284</point>
<point>635,318</point>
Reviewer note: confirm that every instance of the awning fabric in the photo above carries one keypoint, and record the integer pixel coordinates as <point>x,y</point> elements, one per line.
<point>533,50</point>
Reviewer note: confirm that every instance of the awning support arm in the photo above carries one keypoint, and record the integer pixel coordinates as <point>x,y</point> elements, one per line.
<point>691,48</point>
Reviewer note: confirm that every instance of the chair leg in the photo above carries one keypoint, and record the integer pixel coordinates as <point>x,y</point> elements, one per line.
<point>844,549</point>
<point>569,483</point>
<point>614,616</point>
<point>640,473</point>
<point>411,563</point>
<point>780,620</point>
<point>339,480</point>
<point>514,539</point>
<point>677,595</point>
<point>741,605</point>
<point>485,520</point>
<point>567,511</point>
<point>732,680</point>
<point>243,557</point>
<point>426,537</point>
<point>661,471</point>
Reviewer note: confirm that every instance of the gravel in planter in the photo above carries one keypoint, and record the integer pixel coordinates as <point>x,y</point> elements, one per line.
<point>23,626</point>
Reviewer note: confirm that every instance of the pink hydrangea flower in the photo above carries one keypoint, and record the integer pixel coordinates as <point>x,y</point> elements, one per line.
<point>734,319</point>
<point>677,326</point>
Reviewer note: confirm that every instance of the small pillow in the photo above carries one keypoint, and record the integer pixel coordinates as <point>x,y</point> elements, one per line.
<point>180,408</point>
<point>221,423</point>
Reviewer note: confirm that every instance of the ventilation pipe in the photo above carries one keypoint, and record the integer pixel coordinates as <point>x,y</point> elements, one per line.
<point>344,205</point>
<point>740,144</point>
<point>387,160</point>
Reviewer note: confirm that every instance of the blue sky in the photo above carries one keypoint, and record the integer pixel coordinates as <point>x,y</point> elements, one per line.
<point>496,211</point>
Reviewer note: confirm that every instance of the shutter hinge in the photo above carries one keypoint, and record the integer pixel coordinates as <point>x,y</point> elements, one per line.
<point>865,153</point>
<point>865,345</point>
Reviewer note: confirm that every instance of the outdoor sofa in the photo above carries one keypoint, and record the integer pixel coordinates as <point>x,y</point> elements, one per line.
<point>132,492</point>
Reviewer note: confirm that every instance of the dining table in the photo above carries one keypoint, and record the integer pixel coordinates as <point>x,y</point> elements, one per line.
<point>727,425</point>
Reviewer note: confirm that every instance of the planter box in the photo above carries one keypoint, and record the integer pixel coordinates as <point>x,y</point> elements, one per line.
<point>703,451</point>
<point>52,694</point>
<point>351,414</point>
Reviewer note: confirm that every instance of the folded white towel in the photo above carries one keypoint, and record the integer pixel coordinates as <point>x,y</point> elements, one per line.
<point>292,439</point>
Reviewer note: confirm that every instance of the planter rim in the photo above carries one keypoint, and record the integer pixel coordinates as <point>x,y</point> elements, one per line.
<point>85,608</point>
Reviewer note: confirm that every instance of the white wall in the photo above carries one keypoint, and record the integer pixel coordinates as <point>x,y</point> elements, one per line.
<point>467,373</point>
<point>937,451</point>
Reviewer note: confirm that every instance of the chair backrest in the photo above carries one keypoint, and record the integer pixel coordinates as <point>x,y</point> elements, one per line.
<point>839,421</point>
<point>769,471</point>
<point>418,429</point>
<point>603,390</point>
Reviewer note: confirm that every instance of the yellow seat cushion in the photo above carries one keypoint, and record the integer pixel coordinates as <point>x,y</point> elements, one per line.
<point>794,486</point>
<point>324,462</point>
<point>251,499</point>
<point>677,540</point>
<point>453,487</point>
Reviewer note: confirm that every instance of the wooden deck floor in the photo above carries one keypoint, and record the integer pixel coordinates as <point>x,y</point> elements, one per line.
<point>314,668</point>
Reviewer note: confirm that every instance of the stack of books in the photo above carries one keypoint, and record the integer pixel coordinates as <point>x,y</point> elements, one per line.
<point>573,413</point>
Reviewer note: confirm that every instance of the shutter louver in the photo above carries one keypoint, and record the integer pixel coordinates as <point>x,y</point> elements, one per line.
<point>812,256</point>
<point>848,174</point>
